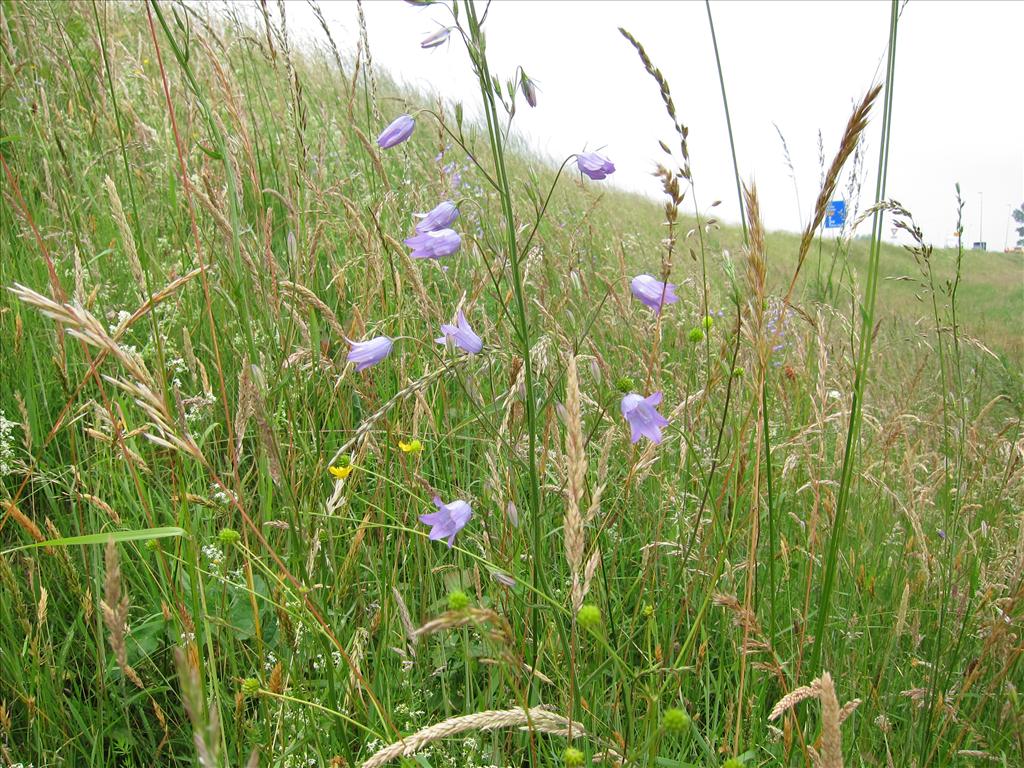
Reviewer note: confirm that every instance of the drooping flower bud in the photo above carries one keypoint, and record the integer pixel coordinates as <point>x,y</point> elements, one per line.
<point>529,89</point>
<point>437,38</point>
<point>401,128</point>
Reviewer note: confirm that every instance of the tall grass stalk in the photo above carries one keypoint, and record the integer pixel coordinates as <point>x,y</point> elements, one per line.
<point>867,331</point>
<point>477,49</point>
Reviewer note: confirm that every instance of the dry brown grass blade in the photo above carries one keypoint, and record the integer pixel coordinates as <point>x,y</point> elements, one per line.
<point>575,469</point>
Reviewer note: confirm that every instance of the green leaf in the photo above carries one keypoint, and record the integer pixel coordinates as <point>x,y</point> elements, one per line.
<point>209,152</point>
<point>103,538</point>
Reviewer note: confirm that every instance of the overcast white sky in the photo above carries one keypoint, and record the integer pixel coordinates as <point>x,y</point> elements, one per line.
<point>959,98</point>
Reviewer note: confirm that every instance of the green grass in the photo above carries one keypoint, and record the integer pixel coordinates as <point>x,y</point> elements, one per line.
<point>253,603</point>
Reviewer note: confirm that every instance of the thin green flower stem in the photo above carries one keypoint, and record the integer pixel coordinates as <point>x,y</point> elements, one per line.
<point>728,123</point>
<point>953,485</point>
<point>764,389</point>
<point>718,440</point>
<point>863,356</point>
<point>505,194</point>
<point>263,692</point>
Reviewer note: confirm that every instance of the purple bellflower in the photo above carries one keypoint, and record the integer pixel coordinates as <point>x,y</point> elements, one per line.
<point>441,217</point>
<point>434,244</point>
<point>448,520</point>
<point>461,335</point>
<point>399,130</point>
<point>437,38</point>
<point>367,353</point>
<point>653,292</point>
<point>644,420</point>
<point>594,166</point>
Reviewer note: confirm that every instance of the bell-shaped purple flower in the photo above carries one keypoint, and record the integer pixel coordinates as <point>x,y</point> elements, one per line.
<point>461,335</point>
<point>434,244</point>
<point>448,520</point>
<point>437,38</point>
<point>644,420</point>
<point>441,217</point>
<point>399,130</point>
<point>367,353</point>
<point>593,165</point>
<point>652,292</point>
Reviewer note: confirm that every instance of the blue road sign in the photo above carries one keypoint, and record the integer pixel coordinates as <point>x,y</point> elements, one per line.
<point>835,214</point>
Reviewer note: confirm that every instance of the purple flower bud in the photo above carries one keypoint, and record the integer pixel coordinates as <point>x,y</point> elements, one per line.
<point>529,90</point>
<point>643,419</point>
<point>434,40</point>
<point>461,335</point>
<point>593,165</point>
<point>399,130</point>
<point>652,292</point>
<point>448,520</point>
<point>439,218</point>
<point>513,513</point>
<point>434,244</point>
<point>367,353</point>
<point>504,579</point>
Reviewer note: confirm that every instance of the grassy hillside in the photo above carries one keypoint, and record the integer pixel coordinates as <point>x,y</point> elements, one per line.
<point>211,545</point>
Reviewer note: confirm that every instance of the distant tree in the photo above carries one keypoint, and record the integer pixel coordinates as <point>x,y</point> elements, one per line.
<point>1018,216</point>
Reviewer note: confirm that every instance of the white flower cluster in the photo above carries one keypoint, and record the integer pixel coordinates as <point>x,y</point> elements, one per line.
<point>195,406</point>
<point>221,496</point>
<point>176,367</point>
<point>214,555</point>
<point>121,317</point>
<point>6,445</point>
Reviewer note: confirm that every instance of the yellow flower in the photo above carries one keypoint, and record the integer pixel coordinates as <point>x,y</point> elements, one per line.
<point>413,446</point>
<point>341,472</point>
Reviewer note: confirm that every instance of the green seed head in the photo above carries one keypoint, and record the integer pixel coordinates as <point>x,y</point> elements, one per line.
<point>733,762</point>
<point>228,536</point>
<point>573,757</point>
<point>737,372</point>
<point>675,720</point>
<point>458,600</point>
<point>709,322</point>
<point>589,616</point>
<point>250,686</point>
<point>152,545</point>
<point>696,335</point>
<point>345,461</point>
<point>625,384</point>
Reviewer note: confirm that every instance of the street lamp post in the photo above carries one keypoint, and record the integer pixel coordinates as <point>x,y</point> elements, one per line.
<point>981,216</point>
